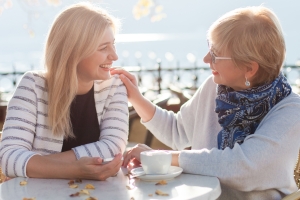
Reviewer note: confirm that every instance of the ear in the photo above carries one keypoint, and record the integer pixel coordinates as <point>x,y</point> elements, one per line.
<point>251,70</point>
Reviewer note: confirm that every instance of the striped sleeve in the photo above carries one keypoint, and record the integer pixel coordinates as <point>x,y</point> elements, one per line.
<point>19,128</point>
<point>113,124</point>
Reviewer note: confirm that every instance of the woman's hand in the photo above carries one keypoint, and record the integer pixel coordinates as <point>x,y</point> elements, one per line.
<point>129,81</point>
<point>142,106</point>
<point>133,155</point>
<point>62,166</point>
<point>92,168</point>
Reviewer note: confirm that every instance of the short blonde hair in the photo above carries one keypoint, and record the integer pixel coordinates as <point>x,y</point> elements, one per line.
<point>75,34</point>
<point>251,34</point>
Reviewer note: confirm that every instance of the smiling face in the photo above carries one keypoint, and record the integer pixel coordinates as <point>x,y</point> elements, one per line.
<point>224,71</point>
<point>96,66</point>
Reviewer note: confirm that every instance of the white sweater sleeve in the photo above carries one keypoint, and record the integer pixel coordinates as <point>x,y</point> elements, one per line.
<point>177,130</point>
<point>113,124</point>
<point>19,128</point>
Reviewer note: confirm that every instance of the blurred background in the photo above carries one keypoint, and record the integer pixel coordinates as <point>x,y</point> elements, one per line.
<point>168,36</point>
<point>171,31</point>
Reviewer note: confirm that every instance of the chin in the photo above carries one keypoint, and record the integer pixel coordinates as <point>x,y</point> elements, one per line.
<point>104,76</point>
<point>216,80</point>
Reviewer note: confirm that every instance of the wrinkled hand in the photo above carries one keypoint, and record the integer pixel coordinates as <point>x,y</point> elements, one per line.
<point>132,157</point>
<point>129,81</point>
<point>92,168</point>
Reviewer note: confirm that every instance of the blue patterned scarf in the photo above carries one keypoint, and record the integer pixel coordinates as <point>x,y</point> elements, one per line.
<point>240,112</point>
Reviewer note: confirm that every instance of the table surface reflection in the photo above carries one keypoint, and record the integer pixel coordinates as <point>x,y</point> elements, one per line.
<point>185,186</point>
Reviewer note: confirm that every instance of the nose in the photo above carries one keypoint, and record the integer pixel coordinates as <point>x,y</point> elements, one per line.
<point>113,55</point>
<point>207,58</point>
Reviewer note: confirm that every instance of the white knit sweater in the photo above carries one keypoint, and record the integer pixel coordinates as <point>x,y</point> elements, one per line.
<point>260,168</point>
<point>26,131</point>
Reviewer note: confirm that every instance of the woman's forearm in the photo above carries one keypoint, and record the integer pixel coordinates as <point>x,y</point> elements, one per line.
<point>54,166</point>
<point>144,108</point>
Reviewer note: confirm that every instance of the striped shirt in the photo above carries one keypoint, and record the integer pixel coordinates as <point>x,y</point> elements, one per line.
<point>26,131</point>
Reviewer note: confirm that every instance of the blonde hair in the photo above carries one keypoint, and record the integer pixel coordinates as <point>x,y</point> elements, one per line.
<point>251,34</point>
<point>75,35</point>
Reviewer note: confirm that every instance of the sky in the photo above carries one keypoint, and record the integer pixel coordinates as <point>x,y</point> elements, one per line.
<point>182,32</point>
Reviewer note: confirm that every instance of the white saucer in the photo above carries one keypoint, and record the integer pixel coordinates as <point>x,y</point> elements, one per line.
<point>173,172</point>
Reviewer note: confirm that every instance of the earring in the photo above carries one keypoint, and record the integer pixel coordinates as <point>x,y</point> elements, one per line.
<point>247,83</point>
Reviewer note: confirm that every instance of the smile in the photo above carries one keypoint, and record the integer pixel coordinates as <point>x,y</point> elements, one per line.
<point>105,66</point>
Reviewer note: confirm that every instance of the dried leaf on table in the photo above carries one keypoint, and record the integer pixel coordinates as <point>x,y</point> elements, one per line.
<point>89,186</point>
<point>75,194</point>
<point>23,183</point>
<point>29,198</point>
<point>161,182</point>
<point>91,198</point>
<point>150,195</point>
<point>78,180</point>
<point>73,186</point>
<point>71,182</point>
<point>130,187</point>
<point>161,193</point>
<point>84,192</point>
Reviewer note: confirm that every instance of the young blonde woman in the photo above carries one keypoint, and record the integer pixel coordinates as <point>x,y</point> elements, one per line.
<point>62,122</point>
<point>243,122</point>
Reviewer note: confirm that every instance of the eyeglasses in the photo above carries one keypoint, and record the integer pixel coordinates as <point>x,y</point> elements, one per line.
<point>214,57</point>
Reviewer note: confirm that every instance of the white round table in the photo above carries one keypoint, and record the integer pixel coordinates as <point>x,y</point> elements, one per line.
<point>185,186</point>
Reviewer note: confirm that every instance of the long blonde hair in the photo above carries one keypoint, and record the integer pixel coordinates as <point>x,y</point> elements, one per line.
<point>74,35</point>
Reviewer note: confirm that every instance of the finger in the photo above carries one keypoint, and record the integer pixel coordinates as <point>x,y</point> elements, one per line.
<point>136,163</point>
<point>119,71</point>
<point>115,162</point>
<point>109,169</point>
<point>129,75</point>
<point>95,161</point>
<point>124,156</point>
<point>128,158</point>
<point>127,82</point>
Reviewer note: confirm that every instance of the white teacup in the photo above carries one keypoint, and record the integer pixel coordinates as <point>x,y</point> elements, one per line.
<point>156,161</point>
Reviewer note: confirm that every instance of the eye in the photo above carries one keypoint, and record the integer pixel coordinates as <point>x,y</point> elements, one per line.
<point>103,48</point>
<point>213,53</point>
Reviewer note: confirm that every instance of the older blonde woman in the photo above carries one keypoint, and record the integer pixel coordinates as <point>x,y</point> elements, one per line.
<point>243,122</point>
<point>62,122</point>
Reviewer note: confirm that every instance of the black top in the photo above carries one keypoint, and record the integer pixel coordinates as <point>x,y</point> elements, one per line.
<point>84,121</point>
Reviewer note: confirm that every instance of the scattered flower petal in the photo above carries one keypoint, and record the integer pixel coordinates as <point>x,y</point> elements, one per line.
<point>78,180</point>
<point>91,198</point>
<point>84,192</point>
<point>75,194</point>
<point>89,186</point>
<point>161,193</point>
<point>73,186</point>
<point>23,183</point>
<point>71,182</point>
<point>161,182</point>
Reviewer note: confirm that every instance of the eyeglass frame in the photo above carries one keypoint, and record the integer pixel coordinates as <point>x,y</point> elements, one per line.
<point>214,57</point>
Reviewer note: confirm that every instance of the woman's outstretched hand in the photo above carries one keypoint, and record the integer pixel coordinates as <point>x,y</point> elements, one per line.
<point>129,81</point>
<point>132,157</point>
<point>143,106</point>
